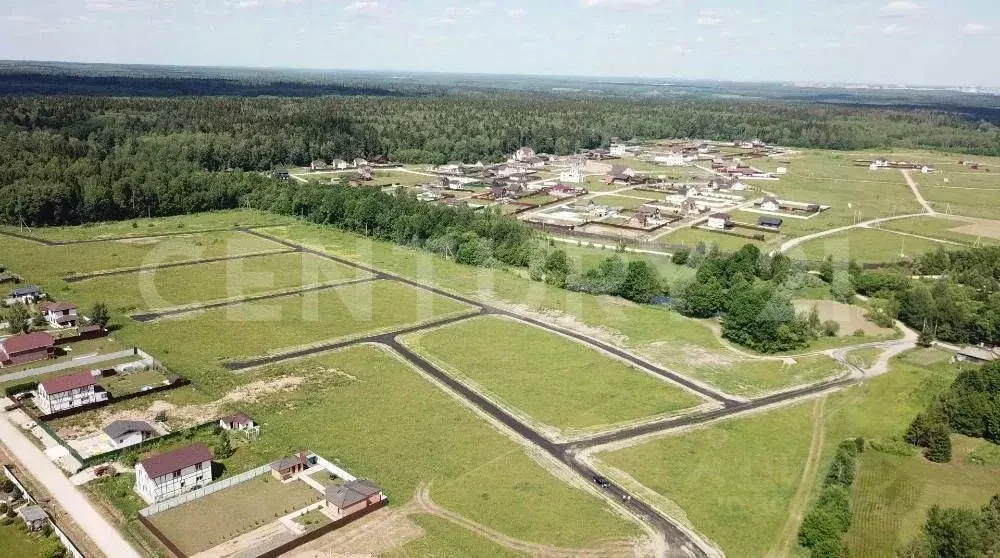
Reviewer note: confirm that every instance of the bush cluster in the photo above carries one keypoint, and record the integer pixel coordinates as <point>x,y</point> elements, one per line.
<point>830,516</point>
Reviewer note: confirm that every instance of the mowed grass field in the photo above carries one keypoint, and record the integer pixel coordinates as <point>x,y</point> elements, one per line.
<point>372,414</point>
<point>867,246</point>
<point>657,333</point>
<point>892,494</point>
<point>735,480</point>
<point>951,228</point>
<point>553,380</point>
<point>959,190</point>
<point>48,264</point>
<point>179,224</point>
<point>228,513</point>
<point>178,286</point>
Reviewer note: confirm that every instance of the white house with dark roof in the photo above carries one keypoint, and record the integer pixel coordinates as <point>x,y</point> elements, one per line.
<point>124,433</point>
<point>173,473</point>
<point>60,314</point>
<point>238,421</point>
<point>719,221</point>
<point>68,392</point>
<point>25,294</point>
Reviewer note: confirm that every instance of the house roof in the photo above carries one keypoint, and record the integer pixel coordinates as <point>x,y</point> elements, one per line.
<point>66,319</point>
<point>26,342</point>
<point>351,492</point>
<point>720,216</point>
<point>175,460</point>
<point>24,290</point>
<point>33,513</point>
<point>979,353</point>
<point>238,418</point>
<point>290,461</point>
<point>768,220</point>
<point>121,427</point>
<point>66,383</point>
<point>58,306</point>
<point>769,199</point>
<point>647,210</point>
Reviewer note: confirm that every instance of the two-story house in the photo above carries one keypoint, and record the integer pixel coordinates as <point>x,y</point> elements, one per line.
<point>60,314</point>
<point>67,392</point>
<point>173,473</point>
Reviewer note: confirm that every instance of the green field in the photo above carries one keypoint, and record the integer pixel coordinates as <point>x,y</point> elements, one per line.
<point>44,265</point>
<point>16,541</point>
<point>555,381</point>
<point>131,382</point>
<point>373,415</point>
<point>178,286</point>
<point>735,480</point>
<point>940,227</point>
<point>892,494</point>
<point>866,246</point>
<point>155,226</point>
<point>233,511</point>
<point>199,343</point>
<point>619,201</point>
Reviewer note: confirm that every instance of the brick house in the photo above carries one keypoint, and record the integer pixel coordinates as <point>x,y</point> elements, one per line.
<point>68,392</point>
<point>173,473</point>
<point>288,468</point>
<point>28,347</point>
<point>352,497</point>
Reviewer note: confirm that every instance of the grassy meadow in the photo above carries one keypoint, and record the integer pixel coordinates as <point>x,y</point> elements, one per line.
<point>547,377</point>
<point>866,245</point>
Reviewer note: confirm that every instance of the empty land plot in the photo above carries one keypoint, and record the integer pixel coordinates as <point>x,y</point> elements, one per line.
<point>619,201</point>
<point>156,226</point>
<point>586,257</point>
<point>956,229</point>
<point>983,203</point>
<point>131,382</point>
<point>892,494</point>
<point>554,380</point>
<point>202,341</point>
<point>850,318</point>
<point>230,512</point>
<point>735,480</point>
<point>377,417</point>
<point>645,194</point>
<point>866,246</point>
<point>443,538</point>
<point>47,264</point>
<point>178,286</point>
<point>15,540</point>
<point>692,237</point>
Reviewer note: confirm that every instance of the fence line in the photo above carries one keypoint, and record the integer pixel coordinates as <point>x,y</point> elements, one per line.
<point>334,469</point>
<point>17,482</point>
<point>63,537</point>
<point>204,491</point>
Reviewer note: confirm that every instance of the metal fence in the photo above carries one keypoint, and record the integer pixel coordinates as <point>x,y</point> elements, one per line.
<point>204,491</point>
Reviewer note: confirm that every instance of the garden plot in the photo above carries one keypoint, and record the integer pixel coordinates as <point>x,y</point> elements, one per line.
<point>553,380</point>
<point>179,286</point>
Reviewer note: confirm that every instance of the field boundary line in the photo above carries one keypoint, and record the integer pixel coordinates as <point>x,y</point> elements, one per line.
<point>47,242</point>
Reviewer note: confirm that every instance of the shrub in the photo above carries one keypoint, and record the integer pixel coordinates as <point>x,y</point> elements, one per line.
<point>859,332</point>
<point>831,328</point>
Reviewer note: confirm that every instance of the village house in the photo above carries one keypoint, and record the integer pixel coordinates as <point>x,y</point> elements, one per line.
<point>352,497</point>
<point>359,162</point>
<point>318,165</point>
<point>25,294</point>
<point>977,355</point>
<point>24,348</point>
<point>68,392</point>
<point>571,175</point>
<point>124,433</point>
<point>564,191</point>
<point>617,150</point>
<point>238,421</point>
<point>719,221</point>
<point>524,154</point>
<point>670,159</point>
<point>60,314</point>
<point>34,518</point>
<point>173,473</point>
<point>769,222</point>
<point>339,164</point>
<point>770,203</point>
<point>619,175</point>
<point>288,468</point>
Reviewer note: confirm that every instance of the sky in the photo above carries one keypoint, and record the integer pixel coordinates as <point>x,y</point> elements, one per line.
<point>915,42</point>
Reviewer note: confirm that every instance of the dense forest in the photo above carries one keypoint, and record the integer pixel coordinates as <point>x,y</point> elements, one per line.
<point>76,159</point>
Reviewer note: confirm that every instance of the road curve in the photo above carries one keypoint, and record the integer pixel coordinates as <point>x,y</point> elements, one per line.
<point>789,244</point>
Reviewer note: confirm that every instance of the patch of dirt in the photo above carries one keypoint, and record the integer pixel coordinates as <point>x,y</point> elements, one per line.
<point>373,535</point>
<point>565,321</point>
<point>851,318</point>
<point>981,227</point>
<point>190,415</point>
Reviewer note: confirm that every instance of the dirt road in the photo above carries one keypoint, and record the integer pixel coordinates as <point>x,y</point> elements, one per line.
<point>76,504</point>
<point>916,192</point>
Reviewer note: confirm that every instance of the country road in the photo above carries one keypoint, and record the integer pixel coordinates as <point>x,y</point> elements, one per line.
<point>109,540</point>
<point>789,244</point>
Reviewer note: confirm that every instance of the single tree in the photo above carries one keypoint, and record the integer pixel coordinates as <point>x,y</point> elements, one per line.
<point>18,318</point>
<point>99,314</point>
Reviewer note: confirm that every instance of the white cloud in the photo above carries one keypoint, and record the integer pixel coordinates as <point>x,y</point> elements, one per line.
<point>517,13</point>
<point>366,7</point>
<point>245,4</point>
<point>902,8</point>
<point>708,20</point>
<point>20,19</point>
<point>113,5</point>
<point>975,29</point>
<point>620,3</point>
<point>680,49</point>
<point>896,29</point>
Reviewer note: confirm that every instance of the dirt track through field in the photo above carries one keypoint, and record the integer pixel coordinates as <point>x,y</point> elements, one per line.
<point>797,509</point>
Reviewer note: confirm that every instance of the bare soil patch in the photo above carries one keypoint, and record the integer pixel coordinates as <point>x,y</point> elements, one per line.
<point>372,535</point>
<point>981,227</point>
<point>851,318</point>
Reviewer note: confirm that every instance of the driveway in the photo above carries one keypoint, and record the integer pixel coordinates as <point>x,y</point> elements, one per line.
<point>76,504</point>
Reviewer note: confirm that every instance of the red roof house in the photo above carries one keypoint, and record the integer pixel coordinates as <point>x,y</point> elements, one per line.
<point>68,383</point>
<point>29,347</point>
<point>173,473</point>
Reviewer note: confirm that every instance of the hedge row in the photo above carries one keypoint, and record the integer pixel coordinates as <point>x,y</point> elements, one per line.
<point>830,516</point>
